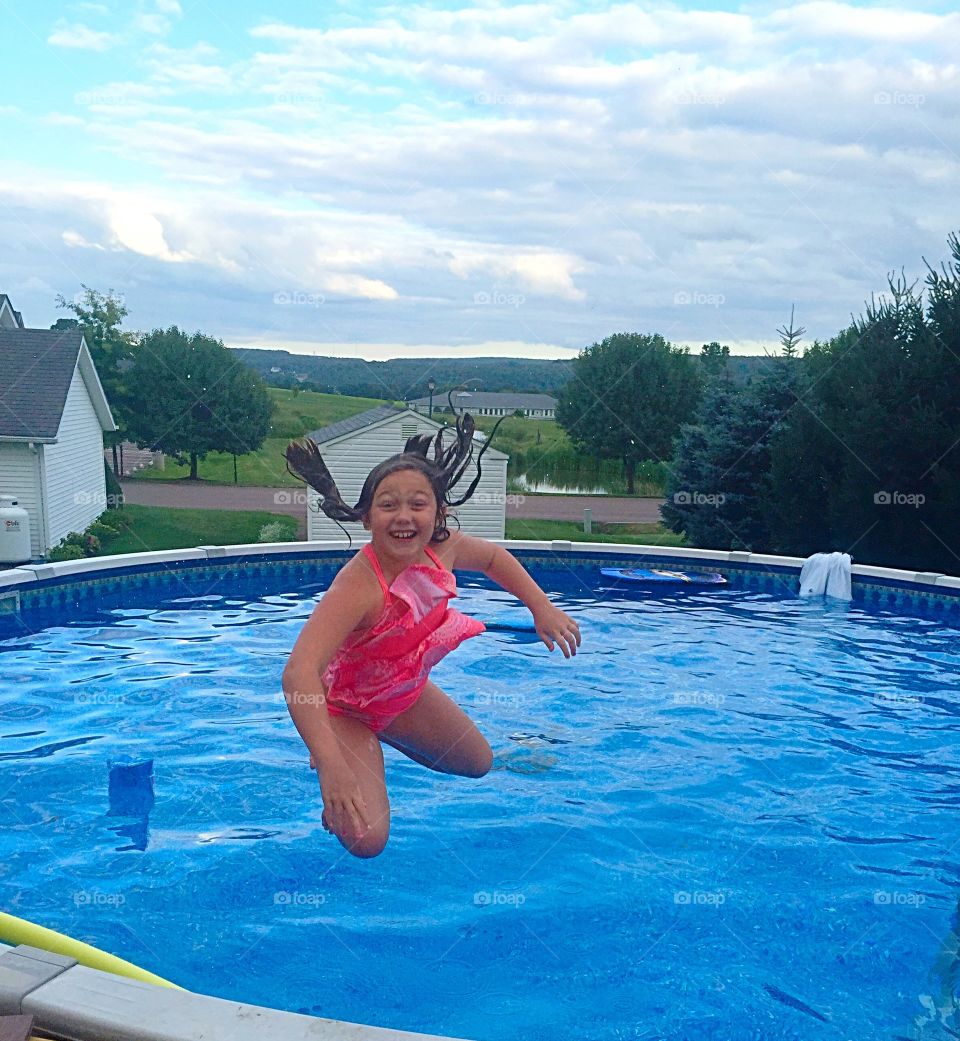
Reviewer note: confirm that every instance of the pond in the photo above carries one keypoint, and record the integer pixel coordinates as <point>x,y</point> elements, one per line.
<point>569,484</point>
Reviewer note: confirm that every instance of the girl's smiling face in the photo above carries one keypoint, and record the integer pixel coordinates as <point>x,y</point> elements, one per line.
<point>403,514</point>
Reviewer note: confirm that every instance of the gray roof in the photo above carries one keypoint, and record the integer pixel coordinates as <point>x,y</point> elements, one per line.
<point>489,399</point>
<point>352,423</point>
<point>375,415</point>
<point>36,367</point>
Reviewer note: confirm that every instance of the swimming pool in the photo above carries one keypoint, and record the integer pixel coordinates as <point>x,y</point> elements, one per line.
<point>732,815</point>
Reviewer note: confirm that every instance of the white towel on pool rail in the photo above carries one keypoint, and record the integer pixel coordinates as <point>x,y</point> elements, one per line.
<point>826,574</point>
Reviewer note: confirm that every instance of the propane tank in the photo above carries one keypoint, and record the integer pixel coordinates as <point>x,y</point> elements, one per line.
<point>14,532</point>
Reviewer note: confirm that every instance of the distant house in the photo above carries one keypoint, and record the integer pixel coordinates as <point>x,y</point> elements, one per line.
<point>9,319</point>
<point>354,446</point>
<point>53,414</point>
<point>480,403</point>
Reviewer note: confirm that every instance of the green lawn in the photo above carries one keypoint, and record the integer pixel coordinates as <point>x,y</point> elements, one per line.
<point>265,468</point>
<point>158,527</point>
<point>155,528</point>
<point>523,434</point>
<point>634,534</point>
<point>296,415</point>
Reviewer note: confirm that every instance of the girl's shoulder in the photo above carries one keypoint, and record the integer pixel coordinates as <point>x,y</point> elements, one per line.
<point>359,580</point>
<point>446,551</point>
<point>464,551</point>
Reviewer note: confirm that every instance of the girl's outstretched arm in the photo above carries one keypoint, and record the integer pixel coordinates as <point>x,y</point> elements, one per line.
<point>554,627</point>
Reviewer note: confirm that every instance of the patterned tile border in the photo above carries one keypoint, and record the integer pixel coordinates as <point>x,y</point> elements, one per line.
<point>214,569</point>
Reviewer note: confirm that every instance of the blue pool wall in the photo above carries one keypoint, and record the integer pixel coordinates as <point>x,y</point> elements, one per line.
<point>104,581</point>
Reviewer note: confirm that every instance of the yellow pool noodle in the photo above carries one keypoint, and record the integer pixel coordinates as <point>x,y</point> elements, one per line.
<point>15,930</point>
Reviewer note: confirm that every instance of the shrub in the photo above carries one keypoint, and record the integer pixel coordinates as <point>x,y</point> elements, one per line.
<point>65,552</point>
<point>101,531</point>
<point>112,519</point>
<point>89,545</point>
<point>276,531</point>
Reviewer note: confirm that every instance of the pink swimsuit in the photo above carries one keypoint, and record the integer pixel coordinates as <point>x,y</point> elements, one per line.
<point>380,672</point>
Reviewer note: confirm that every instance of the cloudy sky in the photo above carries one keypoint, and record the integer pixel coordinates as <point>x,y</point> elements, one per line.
<point>381,180</point>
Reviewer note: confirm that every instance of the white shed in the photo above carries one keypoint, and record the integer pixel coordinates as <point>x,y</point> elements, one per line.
<point>53,414</point>
<point>354,446</point>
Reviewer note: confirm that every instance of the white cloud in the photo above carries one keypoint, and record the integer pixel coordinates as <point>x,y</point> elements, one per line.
<point>888,25</point>
<point>159,21</point>
<point>476,174</point>
<point>77,36</point>
<point>358,286</point>
<point>30,285</point>
<point>139,231</point>
<point>75,240</point>
<point>188,68</point>
<point>539,271</point>
<point>60,119</point>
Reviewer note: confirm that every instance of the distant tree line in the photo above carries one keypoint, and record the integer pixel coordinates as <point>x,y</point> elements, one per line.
<point>401,379</point>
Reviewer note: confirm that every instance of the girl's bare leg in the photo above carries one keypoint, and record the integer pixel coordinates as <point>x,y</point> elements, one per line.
<point>362,752</point>
<point>439,734</point>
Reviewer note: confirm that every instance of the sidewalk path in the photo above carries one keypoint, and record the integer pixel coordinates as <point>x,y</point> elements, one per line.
<point>290,501</point>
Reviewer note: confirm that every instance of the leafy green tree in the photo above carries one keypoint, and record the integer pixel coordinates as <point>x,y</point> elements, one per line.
<point>718,487</point>
<point>714,358</point>
<point>245,414</point>
<point>627,399</point>
<point>871,465</point>
<point>189,397</point>
<point>99,316</point>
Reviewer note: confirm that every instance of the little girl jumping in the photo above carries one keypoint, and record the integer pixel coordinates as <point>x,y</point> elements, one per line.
<point>359,671</point>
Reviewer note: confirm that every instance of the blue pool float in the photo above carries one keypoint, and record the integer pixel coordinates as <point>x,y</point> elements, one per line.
<point>660,577</point>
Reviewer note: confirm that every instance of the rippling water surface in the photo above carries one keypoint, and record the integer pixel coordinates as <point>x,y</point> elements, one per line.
<point>731,816</point>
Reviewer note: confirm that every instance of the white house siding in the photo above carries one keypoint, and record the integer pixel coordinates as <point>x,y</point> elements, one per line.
<point>351,458</point>
<point>19,471</point>
<point>75,488</point>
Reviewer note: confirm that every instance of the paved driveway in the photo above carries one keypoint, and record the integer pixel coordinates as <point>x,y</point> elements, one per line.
<point>202,496</point>
<point>603,508</point>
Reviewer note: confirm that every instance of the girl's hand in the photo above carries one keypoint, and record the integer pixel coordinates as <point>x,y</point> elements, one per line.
<point>556,626</point>
<point>344,808</point>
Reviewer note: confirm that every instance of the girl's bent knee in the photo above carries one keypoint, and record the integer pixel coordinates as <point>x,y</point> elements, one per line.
<point>370,845</point>
<point>481,763</point>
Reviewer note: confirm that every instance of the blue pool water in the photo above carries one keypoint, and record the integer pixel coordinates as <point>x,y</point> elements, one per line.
<point>734,815</point>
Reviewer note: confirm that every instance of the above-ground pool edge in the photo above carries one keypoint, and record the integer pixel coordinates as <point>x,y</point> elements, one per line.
<point>73,1000</point>
<point>35,575</point>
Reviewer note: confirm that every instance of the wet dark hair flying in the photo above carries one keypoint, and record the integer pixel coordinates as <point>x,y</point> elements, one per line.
<point>443,471</point>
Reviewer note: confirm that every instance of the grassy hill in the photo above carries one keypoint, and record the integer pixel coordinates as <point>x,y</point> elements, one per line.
<point>297,413</point>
